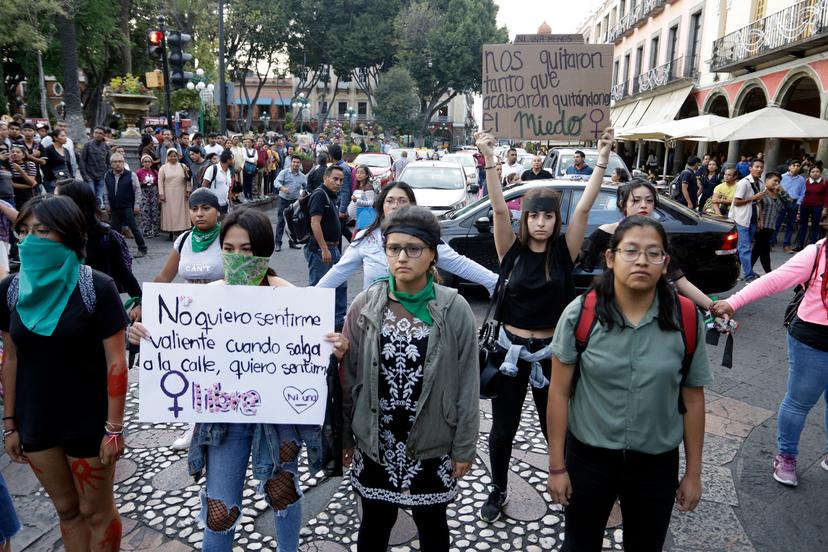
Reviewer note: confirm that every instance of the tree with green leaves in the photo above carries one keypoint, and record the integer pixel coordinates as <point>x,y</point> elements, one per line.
<point>73,111</point>
<point>397,103</point>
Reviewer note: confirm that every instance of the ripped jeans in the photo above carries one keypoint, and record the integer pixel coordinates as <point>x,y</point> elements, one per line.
<point>221,505</point>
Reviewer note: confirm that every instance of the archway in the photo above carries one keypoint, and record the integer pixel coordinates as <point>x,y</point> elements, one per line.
<point>718,106</point>
<point>800,94</point>
<point>752,99</point>
<point>684,149</point>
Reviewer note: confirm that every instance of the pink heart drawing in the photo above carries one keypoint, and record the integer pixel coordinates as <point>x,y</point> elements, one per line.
<point>299,400</point>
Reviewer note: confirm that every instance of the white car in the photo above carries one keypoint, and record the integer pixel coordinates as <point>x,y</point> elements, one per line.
<point>438,185</point>
<point>469,167</point>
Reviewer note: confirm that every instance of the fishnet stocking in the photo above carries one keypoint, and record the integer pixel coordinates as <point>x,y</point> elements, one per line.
<point>281,490</point>
<point>218,518</point>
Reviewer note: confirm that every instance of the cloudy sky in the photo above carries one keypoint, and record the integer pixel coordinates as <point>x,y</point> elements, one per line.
<point>524,16</point>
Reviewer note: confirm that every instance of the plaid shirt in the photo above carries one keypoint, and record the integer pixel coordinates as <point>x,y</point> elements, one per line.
<point>771,207</point>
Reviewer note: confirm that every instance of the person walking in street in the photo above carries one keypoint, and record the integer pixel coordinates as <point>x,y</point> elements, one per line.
<point>538,263</point>
<point>708,179</point>
<point>316,175</point>
<point>601,449</point>
<point>814,207</point>
<point>150,209</point>
<point>261,168</point>
<point>220,178</point>
<point>775,200</point>
<point>63,334</point>
<point>95,163</point>
<point>58,161</point>
<point>123,200</point>
<point>414,353</point>
<point>335,152</point>
<point>744,212</point>
<point>291,184</point>
<point>398,165</point>
<point>794,185</point>
<point>173,189</point>
<point>223,451</point>
<point>688,185</point>
<point>807,342</point>
<point>361,209</point>
<point>249,169</point>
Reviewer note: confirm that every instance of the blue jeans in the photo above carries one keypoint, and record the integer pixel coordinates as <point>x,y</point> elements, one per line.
<point>807,381</point>
<point>787,215</point>
<point>281,206</point>
<point>226,467</point>
<point>814,214</point>
<point>317,269</point>
<point>98,188</point>
<point>745,239</point>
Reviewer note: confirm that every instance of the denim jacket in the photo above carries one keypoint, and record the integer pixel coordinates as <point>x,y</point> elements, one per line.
<point>447,420</point>
<point>267,441</point>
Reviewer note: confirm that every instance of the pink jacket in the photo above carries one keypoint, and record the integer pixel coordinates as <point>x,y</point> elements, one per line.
<point>787,276</point>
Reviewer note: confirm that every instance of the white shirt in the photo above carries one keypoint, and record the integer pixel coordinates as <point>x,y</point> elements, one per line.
<point>508,169</point>
<point>740,214</point>
<point>221,184</point>
<point>366,251</point>
<point>215,148</point>
<point>199,268</point>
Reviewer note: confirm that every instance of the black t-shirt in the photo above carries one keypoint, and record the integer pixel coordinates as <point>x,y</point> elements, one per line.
<point>689,177</point>
<point>315,177</point>
<point>61,388</point>
<point>529,175</point>
<point>322,202</point>
<point>56,163</point>
<point>592,255</point>
<point>532,301</point>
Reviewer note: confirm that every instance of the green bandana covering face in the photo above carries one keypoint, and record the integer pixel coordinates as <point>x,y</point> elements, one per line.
<point>415,303</point>
<point>48,276</point>
<point>204,239</point>
<point>244,270</point>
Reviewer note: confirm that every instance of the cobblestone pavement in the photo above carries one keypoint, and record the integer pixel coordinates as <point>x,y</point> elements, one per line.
<point>159,501</point>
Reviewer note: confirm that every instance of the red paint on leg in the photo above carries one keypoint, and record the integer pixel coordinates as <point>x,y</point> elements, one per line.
<point>34,468</point>
<point>85,473</point>
<point>116,382</point>
<point>112,536</point>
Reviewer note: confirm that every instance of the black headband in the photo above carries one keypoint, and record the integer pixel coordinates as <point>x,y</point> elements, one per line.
<point>203,196</point>
<point>541,203</point>
<point>429,238</point>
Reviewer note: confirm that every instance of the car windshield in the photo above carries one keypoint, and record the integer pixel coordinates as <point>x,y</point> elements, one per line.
<point>373,160</point>
<point>439,178</point>
<point>568,159</point>
<point>464,160</point>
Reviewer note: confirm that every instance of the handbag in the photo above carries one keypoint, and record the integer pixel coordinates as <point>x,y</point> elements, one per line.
<point>332,426</point>
<point>491,354</point>
<point>799,292</point>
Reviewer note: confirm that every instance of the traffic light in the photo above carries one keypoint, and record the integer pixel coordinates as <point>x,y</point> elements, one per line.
<point>177,41</point>
<point>155,45</point>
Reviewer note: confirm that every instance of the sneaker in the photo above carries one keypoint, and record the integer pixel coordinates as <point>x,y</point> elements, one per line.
<point>824,463</point>
<point>183,442</point>
<point>140,254</point>
<point>784,469</point>
<point>788,249</point>
<point>493,507</point>
<point>278,247</point>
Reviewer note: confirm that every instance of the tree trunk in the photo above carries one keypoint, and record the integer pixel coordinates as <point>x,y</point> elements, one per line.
<point>126,43</point>
<point>75,125</point>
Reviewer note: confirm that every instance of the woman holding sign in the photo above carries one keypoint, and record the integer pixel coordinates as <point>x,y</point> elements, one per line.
<point>410,389</point>
<point>63,331</point>
<point>538,263</point>
<point>223,451</point>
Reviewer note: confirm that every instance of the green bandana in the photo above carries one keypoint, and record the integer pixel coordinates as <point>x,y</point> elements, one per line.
<point>202,240</point>
<point>48,276</point>
<point>244,270</point>
<point>415,303</point>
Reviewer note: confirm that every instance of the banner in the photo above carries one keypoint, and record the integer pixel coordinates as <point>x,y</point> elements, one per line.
<point>235,354</point>
<point>554,91</point>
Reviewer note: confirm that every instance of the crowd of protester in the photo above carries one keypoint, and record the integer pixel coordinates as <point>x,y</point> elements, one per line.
<point>407,347</point>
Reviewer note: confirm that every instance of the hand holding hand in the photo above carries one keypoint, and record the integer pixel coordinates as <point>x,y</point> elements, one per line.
<point>722,309</point>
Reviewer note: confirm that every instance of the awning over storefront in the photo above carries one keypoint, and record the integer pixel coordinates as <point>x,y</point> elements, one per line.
<point>259,101</point>
<point>654,109</point>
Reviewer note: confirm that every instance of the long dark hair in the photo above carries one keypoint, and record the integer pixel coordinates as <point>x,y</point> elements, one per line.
<point>523,225</point>
<point>59,214</point>
<point>606,309</point>
<point>379,202</point>
<point>83,196</point>
<point>258,228</point>
<point>624,192</point>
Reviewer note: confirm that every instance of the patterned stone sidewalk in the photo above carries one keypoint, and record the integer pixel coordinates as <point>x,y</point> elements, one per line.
<point>159,501</point>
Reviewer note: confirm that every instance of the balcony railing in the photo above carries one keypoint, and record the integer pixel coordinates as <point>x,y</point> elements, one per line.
<point>634,17</point>
<point>683,68</point>
<point>796,28</point>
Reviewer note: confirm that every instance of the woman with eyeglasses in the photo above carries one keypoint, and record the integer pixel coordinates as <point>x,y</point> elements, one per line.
<point>410,389</point>
<point>617,435</point>
<point>638,197</point>
<point>366,248</point>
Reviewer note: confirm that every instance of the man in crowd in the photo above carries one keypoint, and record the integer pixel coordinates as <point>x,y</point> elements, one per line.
<point>95,163</point>
<point>123,194</point>
<point>34,152</point>
<point>42,132</point>
<point>322,251</point>
<point>212,146</point>
<point>198,141</point>
<point>219,177</point>
<point>537,172</point>
<point>197,165</point>
<point>794,184</point>
<point>4,135</point>
<point>745,214</point>
<point>316,175</point>
<point>398,165</point>
<point>579,165</point>
<point>167,142</point>
<point>703,167</point>
<point>743,166</point>
<point>291,183</point>
<point>511,166</point>
<point>14,132</point>
<point>688,183</point>
<point>335,151</point>
<point>260,184</point>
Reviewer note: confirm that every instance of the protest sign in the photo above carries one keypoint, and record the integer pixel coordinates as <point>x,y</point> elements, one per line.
<point>553,91</point>
<point>235,354</point>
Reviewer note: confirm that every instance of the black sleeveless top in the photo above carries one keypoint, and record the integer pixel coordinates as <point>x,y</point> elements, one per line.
<point>531,301</point>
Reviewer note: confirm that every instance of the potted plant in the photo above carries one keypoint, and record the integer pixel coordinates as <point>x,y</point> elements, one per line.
<point>130,99</point>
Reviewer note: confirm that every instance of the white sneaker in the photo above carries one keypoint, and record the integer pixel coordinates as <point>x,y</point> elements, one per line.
<point>183,442</point>
<point>824,463</point>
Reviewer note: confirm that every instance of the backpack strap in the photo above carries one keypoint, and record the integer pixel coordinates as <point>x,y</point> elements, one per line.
<point>13,291</point>
<point>184,238</point>
<point>86,285</point>
<point>689,334</point>
<point>583,329</point>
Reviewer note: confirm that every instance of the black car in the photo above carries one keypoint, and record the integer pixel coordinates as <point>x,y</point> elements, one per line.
<point>704,247</point>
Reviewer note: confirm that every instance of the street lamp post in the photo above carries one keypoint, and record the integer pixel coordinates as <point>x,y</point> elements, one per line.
<point>301,105</point>
<point>265,118</point>
<point>203,88</point>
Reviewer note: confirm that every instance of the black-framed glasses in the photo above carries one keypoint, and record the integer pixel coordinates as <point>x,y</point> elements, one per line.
<point>411,251</point>
<point>654,255</point>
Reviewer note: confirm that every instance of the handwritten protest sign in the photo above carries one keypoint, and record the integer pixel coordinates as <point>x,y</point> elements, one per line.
<point>235,354</point>
<point>554,91</point>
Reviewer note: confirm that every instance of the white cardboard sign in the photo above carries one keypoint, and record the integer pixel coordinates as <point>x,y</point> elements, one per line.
<point>235,354</point>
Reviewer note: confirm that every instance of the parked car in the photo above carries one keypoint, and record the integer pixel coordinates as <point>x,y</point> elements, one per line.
<point>560,159</point>
<point>469,167</point>
<point>438,185</point>
<point>380,165</point>
<point>705,247</point>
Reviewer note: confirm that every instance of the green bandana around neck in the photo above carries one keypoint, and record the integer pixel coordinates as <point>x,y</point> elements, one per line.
<point>202,240</point>
<point>415,303</point>
<point>48,276</point>
<point>244,270</point>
